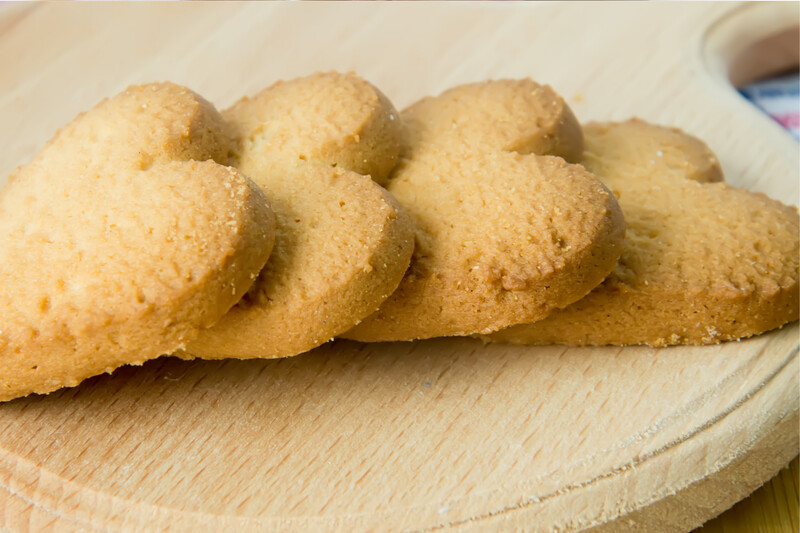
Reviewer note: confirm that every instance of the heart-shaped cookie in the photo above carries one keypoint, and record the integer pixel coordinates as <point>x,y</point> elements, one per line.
<point>122,239</point>
<point>703,262</point>
<point>342,242</point>
<point>503,235</point>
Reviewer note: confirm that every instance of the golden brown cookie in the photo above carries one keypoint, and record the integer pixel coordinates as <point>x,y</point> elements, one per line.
<point>505,233</point>
<point>703,262</point>
<point>122,239</point>
<point>342,242</point>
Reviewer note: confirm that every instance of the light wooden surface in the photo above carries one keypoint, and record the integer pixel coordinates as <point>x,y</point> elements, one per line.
<point>771,509</point>
<point>446,433</point>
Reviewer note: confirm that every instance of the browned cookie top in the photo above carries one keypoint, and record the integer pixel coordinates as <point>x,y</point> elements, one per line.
<point>503,235</point>
<point>342,241</point>
<point>122,239</point>
<point>703,261</point>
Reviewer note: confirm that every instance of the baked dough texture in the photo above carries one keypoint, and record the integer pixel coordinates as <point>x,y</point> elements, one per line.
<point>318,146</point>
<point>507,229</point>
<point>703,262</point>
<point>122,239</point>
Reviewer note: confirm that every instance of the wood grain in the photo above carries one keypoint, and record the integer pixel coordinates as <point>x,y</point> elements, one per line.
<point>771,509</point>
<point>442,434</point>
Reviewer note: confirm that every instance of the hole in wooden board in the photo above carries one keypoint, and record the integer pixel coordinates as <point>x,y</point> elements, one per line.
<point>755,41</point>
<point>772,56</point>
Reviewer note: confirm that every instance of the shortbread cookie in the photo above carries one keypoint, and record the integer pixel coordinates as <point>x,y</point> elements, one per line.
<point>122,239</point>
<point>342,242</point>
<point>505,233</point>
<point>703,262</point>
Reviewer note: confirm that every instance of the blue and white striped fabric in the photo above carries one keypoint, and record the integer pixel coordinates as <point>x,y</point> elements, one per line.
<point>779,98</point>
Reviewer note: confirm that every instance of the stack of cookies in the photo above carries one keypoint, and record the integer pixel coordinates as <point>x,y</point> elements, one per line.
<point>153,224</point>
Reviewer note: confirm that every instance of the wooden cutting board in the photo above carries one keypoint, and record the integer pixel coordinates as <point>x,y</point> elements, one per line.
<point>441,434</point>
